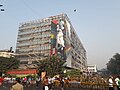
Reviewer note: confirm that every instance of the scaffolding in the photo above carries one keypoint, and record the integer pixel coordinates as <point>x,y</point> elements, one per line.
<point>35,42</point>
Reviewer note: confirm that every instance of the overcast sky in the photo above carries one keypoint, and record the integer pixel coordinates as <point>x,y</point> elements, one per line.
<point>97,23</point>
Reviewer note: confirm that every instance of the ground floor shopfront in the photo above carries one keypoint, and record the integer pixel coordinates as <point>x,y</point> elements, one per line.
<point>22,72</point>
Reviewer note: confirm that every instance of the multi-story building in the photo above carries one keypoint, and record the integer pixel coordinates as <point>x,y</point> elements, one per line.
<point>92,68</point>
<point>7,53</point>
<point>49,36</point>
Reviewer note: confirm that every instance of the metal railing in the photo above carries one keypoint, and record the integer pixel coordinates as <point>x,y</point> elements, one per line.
<point>86,86</point>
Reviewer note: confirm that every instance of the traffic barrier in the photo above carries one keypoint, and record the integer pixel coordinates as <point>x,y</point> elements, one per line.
<point>87,86</point>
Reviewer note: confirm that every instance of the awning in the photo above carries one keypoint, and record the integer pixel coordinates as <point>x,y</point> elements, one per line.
<point>21,72</point>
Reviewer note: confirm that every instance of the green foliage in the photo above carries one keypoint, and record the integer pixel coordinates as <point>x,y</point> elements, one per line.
<point>74,72</point>
<point>113,65</point>
<point>52,66</point>
<point>8,64</point>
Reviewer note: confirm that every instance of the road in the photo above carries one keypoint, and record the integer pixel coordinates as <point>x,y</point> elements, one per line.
<point>72,86</point>
<point>6,86</point>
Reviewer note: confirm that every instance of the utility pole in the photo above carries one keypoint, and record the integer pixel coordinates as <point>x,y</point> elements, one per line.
<point>1,8</point>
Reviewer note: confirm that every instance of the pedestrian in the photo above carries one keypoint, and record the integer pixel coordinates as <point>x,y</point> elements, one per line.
<point>119,84</point>
<point>1,81</point>
<point>45,83</point>
<point>37,81</point>
<point>62,83</point>
<point>116,82</point>
<point>25,81</point>
<point>50,83</point>
<point>17,86</point>
<point>110,81</point>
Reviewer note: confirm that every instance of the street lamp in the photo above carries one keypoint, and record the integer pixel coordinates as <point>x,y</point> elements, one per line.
<point>2,8</point>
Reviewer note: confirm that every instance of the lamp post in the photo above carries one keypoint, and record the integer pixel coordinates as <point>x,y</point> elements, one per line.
<point>2,8</point>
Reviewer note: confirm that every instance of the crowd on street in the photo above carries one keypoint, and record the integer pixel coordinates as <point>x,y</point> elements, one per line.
<point>47,83</point>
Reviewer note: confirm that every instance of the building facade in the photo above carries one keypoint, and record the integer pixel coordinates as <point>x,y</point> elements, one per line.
<point>92,68</point>
<point>54,35</point>
<point>7,53</point>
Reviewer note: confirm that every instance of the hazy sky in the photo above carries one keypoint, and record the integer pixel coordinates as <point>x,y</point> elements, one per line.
<point>97,23</point>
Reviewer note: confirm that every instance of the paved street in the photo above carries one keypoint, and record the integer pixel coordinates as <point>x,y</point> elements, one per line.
<point>72,86</point>
<point>33,87</point>
<point>6,86</point>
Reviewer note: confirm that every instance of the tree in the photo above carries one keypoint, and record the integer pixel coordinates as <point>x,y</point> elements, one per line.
<point>113,65</point>
<point>52,65</point>
<point>8,64</point>
<point>74,73</point>
<point>103,72</point>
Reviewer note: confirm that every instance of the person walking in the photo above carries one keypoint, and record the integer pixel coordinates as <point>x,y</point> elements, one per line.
<point>1,81</point>
<point>119,84</point>
<point>116,82</point>
<point>62,83</point>
<point>17,86</point>
<point>110,81</point>
<point>37,81</point>
<point>45,83</point>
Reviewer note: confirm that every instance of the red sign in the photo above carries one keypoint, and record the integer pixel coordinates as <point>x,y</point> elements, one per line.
<point>26,71</point>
